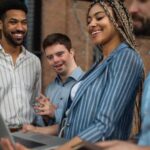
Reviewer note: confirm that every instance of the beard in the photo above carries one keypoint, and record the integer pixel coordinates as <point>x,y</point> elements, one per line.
<point>144,29</point>
<point>14,41</point>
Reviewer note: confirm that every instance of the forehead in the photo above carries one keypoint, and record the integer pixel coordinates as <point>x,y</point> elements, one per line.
<point>96,8</point>
<point>16,14</point>
<point>138,3</point>
<point>56,48</point>
<point>142,6</point>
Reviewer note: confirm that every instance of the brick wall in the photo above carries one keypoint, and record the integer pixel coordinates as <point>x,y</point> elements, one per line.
<point>68,16</point>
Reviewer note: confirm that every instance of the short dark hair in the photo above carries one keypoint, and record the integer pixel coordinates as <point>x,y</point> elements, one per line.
<point>57,38</point>
<point>6,5</point>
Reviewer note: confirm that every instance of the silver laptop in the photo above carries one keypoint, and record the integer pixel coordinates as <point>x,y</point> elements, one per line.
<point>33,141</point>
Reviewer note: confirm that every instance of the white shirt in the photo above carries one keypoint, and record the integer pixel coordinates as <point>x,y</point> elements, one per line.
<point>19,85</point>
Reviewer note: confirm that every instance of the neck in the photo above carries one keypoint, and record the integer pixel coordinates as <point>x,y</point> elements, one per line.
<point>14,51</point>
<point>109,47</point>
<point>10,49</point>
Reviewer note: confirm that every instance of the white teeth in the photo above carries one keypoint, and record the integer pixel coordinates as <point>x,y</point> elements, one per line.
<point>18,35</point>
<point>95,32</point>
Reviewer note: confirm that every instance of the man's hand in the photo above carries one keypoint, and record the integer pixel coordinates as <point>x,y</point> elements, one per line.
<point>70,145</point>
<point>28,128</point>
<point>45,107</point>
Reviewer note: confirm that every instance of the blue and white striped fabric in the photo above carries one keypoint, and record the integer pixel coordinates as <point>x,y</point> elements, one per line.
<point>104,102</point>
<point>144,138</point>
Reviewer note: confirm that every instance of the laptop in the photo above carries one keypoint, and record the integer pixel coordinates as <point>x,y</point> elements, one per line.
<point>33,141</point>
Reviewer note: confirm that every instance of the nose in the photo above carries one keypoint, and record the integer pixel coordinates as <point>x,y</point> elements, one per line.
<point>92,23</point>
<point>133,8</point>
<point>20,26</point>
<point>55,59</point>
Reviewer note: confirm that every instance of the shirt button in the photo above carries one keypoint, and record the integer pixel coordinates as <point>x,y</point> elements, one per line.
<point>68,124</point>
<point>61,98</point>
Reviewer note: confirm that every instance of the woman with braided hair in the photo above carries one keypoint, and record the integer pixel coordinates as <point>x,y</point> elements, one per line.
<point>101,104</point>
<point>103,100</point>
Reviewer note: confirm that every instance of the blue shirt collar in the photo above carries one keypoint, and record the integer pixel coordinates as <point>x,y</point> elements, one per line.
<point>76,75</point>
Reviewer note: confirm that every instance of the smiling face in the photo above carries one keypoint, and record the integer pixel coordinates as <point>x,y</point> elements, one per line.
<point>60,59</point>
<point>14,27</point>
<point>101,29</point>
<point>140,11</point>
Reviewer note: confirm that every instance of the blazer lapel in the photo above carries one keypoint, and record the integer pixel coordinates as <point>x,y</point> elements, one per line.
<point>92,75</point>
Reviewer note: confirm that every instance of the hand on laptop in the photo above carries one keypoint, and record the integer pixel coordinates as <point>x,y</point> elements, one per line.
<point>28,128</point>
<point>45,106</point>
<point>119,145</point>
<point>7,145</point>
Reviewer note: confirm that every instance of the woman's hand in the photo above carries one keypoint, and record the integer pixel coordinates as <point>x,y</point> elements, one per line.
<point>7,145</point>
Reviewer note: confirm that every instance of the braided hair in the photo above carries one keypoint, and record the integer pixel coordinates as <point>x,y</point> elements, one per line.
<point>122,20</point>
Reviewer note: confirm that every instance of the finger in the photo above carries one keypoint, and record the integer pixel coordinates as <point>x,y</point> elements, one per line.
<point>107,143</point>
<point>6,144</point>
<point>25,128</point>
<point>41,96</point>
<point>44,101</point>
<point>38,109</point>
<point>20,147</point>
<point>42,113</point>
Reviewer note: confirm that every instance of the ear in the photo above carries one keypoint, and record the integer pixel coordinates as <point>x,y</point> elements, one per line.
<point>72,52</point>
<point>1,24</point>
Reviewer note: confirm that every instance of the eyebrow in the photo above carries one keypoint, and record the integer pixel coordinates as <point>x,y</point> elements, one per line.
<point>99,12</point>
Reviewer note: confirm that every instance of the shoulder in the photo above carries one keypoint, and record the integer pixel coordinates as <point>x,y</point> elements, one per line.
<point>32,56</point>
<point>128,55</point>
<point>127,61</point>
<point>77,73</point>
<point>33,59</point>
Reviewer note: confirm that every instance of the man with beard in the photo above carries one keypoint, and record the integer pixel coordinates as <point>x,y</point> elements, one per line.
<point>139,9</point>
<point>20,70</point>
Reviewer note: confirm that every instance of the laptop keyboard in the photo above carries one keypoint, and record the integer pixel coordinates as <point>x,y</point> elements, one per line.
<point>28,143</point>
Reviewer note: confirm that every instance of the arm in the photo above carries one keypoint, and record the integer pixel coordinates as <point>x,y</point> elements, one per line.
<point>145,114</point>
<point>71,144</point>
<point>107,145</point>
<point>52,130</point>
<point>7,145</point>
<point>120,145</point>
